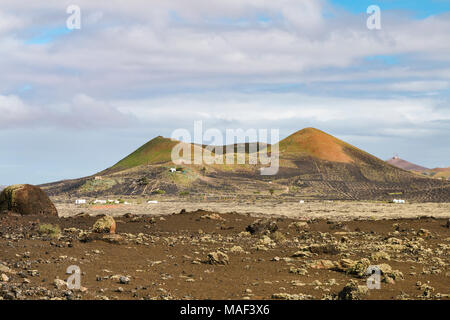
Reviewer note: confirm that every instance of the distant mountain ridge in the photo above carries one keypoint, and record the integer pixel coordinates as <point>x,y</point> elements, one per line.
<point>405,165</point>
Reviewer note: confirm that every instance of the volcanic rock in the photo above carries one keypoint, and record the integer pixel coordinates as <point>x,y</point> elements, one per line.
<point>262,226</point>
<point>218,258</point>
<point>26,199</point>
<point>106,224</point>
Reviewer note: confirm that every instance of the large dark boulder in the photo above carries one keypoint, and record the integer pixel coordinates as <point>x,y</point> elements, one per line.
<point>263,226</point>
<point>26,199</point>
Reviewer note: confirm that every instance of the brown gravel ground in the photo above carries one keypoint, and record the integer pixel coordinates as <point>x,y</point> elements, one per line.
<point>166,257</point>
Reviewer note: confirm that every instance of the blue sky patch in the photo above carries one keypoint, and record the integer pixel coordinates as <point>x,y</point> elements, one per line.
<point>386,59</point>
<point>48,35</point>
<point>421,9</point>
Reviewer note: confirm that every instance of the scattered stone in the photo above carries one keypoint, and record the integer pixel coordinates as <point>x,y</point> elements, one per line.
<point>262,226</point>
<point>124,280</point>
<point>353,291</point>
<point>212,216</point>
<point>299,271</point>
<point>299,225</point>
<point>237,249</point>
<point>323,264</point>
<point>287,296</point>
<point>218,258</point>
<point>113,238</point>
<point>380,255</point>
<point>106,224</point>
<point>301,254</point>
<point>59,284</point>
<point>423,233</point>
<point>5,269</point>
<point>356,268</point>
<point>324,249</point>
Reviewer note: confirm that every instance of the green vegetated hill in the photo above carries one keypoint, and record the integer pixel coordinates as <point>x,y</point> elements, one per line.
<point>313,164</point>
<point>157,150</point>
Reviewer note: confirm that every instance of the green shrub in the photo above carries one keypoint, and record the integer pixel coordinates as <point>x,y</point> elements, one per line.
<point>143,181</point>
<point>277,236</point>
<point>51,230</point>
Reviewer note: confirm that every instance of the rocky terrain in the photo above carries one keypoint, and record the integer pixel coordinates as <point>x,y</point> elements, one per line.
<point>209,255</point>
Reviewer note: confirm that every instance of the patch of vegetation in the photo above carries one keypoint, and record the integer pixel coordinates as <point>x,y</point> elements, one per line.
<point>51,230</point>
<point>158,191</point>
<point>157,150</point>
<point>184,193</point>
<point>98,185</point>
<point>143,181</point>
<point>277,236</point>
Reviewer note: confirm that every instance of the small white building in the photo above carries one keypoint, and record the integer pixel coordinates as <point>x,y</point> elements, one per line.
<point>398,201</point>
<point>152,201</point>
<point>80,201</point>
<point>100,201</point>
<point>173,169</point>
<point>301,201</point>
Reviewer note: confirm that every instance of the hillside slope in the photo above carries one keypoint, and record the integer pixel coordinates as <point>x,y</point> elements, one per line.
<point>405,165</point>
<point>313,164</point>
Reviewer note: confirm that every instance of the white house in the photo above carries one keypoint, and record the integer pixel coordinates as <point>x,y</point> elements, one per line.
<point>80,201</point>
<point>100,201</point>
<point>152,201</point>
<point>398,201</point>
<point>301,201</point>
<point>173,169</point>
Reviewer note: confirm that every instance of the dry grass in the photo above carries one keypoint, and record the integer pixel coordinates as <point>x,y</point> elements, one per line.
<point>337,210</point>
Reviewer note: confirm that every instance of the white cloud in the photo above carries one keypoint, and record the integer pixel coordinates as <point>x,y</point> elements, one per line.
<point>9,22</point>
<point>139,44</point>
<point>81,112</point>
<point>248,63</point>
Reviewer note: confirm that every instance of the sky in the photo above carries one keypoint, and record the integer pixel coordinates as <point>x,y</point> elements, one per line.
<point>75,101</point>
